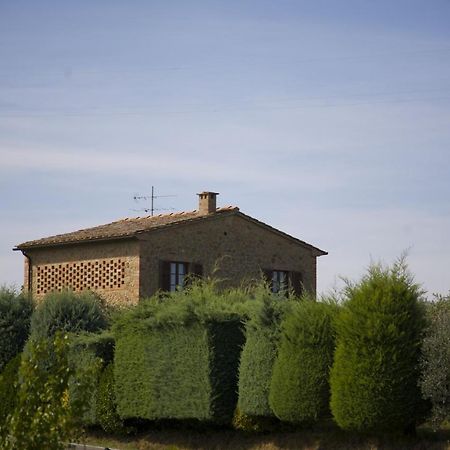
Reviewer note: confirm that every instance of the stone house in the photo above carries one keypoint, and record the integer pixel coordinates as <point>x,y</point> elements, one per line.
<point>135,257</point>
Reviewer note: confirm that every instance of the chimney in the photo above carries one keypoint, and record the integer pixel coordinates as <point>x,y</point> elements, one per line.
<point>207,202</point>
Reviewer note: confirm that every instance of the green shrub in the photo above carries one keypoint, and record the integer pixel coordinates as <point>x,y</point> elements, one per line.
<point>8,389</point>
<point>177,357</point>
<point>299,391</point>
<point>258,355</point>
<point>179,372</point>
<point>89,354</point>
<point>254,424</point>
<point>435,378</point>
<point>374,378</point>
<point>69,313</point>
<point>106,407</point>
<point>43,417</point>
<point>15,315</point>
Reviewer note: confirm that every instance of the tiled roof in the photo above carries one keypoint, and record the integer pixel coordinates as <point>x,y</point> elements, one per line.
<point>123,228</point>
<point>130,227</point>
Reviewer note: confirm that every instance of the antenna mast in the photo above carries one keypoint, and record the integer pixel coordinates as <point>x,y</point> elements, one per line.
<point>152,198</point>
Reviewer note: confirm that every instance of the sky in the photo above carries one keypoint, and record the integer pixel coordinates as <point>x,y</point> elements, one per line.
<point>328,120</point>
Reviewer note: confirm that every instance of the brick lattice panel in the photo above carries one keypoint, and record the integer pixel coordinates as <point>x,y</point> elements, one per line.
<point>79,276</point>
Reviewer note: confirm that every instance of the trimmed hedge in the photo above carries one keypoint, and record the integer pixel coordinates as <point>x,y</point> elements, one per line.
<point>435,378</point>
<point>179,372</point>
<point>374,378</point>
<point>15,316</point>
<point>68,312</point>
<point>258,356</point>
<point>299,391</point>
<point>177,357</point>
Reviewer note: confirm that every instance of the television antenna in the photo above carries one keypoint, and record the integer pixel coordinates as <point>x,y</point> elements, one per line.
<point>152,197</point>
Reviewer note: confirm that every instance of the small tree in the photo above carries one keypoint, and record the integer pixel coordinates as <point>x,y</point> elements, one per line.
<point>374,378</point>
<point>15,316</point>
<point>299,390</point>
<point>435,379</point>
<point>44,417</point>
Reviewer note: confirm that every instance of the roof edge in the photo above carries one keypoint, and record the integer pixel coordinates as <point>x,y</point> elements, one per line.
<point>317,250</point>
<point>22,247</point>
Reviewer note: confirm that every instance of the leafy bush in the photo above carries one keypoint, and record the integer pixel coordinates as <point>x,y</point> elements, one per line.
<point>299,390</point>
<point>15,316</point>
<point>69,313</point>
<point>255,424</point>
<point>374,378</point>
<point>43,417</point>
<point>106,407</point>
<point>435,378</point>
<point>8,389</point>
<point>258,354</point>
<point>88,356</point>
<point>177,357</point>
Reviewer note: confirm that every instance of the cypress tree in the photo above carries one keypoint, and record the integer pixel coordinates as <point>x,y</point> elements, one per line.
<point>299,390</point>
<point>374,378</point>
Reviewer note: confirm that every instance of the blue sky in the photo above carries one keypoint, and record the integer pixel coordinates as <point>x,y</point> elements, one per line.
<point>329,120</point>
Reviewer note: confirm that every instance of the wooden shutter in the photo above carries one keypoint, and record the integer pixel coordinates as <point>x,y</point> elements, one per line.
<point>164,275</point>
<point>195,269</point>
<point>296,282</point>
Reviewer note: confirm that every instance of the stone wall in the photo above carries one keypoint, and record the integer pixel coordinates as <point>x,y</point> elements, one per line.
<point>237,248</point>
<point>109,268</point>
<point>230,247</point>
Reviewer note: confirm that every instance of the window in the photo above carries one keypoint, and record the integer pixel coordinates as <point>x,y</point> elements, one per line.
<point>284,281</point>
<point>177,275</point>
<point>280,279</point>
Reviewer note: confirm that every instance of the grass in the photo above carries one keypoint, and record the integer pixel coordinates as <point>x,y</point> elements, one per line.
<point>328,438</point>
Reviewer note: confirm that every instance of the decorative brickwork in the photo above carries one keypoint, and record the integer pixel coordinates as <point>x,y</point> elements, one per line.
<point>123,260</point>
<point>79,276</point>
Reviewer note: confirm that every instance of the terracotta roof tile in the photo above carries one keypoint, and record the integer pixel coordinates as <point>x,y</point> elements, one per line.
<point>123,228</point>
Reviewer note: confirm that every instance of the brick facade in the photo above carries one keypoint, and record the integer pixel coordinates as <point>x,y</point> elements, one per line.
<point>76,266</point>
<point>123,261</point>
<point>237,248</point>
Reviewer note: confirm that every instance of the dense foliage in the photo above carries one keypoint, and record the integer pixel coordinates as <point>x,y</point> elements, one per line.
<point>258,354</point>
<point>177,357</point>
<point>44,417</point>
<point>8,390</point>
<point>106,405</point>
<point>435,379</point>
<point>374,378</point>
<point>69,313</point>
<point>299,389</point>
<point>15,316</point>
<point>88,354</point>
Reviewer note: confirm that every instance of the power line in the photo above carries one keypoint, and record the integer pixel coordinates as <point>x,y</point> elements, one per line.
<point>327,102</point>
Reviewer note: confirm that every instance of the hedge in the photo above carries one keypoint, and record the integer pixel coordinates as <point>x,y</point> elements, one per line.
<point>15,316</point>
<point>435,378</point>
<point>258,356</point>
<point>179,372</point>
<point>177,357</point>
<point>374,378</point>
<point>299,391</point>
